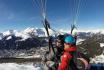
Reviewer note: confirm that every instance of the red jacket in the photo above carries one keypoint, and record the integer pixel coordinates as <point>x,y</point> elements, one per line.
<point>66,58</point>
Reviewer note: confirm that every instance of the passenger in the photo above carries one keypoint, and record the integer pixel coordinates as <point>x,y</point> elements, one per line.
<point>69,48</point>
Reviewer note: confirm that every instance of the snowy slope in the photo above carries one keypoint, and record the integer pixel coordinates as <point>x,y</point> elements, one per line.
<point>101,44</point>
<point>98,59</point>
<point>14,66</point>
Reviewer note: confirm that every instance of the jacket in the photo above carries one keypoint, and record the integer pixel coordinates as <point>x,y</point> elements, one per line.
<point>66,57</point>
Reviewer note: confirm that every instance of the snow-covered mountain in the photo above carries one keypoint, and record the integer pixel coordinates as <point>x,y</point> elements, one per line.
<point>13,39</point>
<point>28,38</point>
<point>25,34</point>
<point>28,32</point>
<point>41,32</point>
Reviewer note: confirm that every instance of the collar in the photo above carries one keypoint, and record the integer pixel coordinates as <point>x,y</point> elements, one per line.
<point>70,48</point>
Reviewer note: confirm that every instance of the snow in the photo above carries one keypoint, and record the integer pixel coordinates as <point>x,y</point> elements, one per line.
<point>98,59</point>
<point>32,56</point>
<point>22,35</point>
<point>51,32</point>
<point>82,30</point>
<point>30,30</point>
<point>16,33</point>
<point>9,38</point>
<point>25,34</point>
<point>63,31</point>
<point>101,44</point>
<point>14,66</point>
<point>41,32</point>
<point>79,41</point>
<point>93,31</point>
<point>9,32</point>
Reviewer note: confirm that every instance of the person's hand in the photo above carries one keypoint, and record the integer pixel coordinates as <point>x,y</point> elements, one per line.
<point>50,63</point>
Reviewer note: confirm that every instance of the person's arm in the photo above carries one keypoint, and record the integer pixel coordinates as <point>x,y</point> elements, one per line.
<point>65,62</point>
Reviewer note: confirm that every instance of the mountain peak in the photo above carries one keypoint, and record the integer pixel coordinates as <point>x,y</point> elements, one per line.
<point>9,32</point>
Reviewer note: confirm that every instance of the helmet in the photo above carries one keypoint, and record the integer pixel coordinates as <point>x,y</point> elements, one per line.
<point>70,39</point>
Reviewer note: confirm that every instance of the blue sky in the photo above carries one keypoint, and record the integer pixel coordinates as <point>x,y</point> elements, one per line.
<point>20,14</point>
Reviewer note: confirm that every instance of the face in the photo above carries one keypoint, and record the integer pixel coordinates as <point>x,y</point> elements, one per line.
<point>58,43</point>
<point>66,45</point>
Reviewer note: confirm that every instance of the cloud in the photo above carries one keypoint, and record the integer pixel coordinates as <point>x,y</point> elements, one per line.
<point>83,30</point>
<point>92,30</point>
